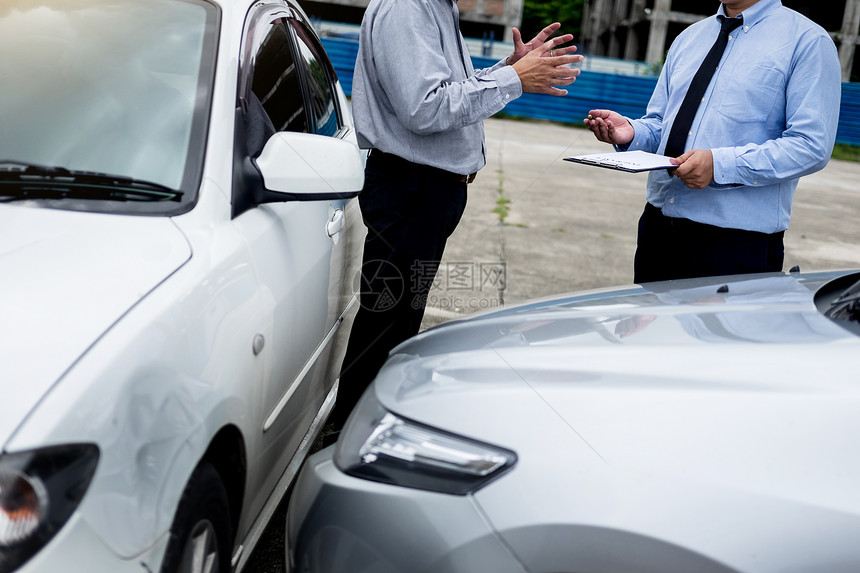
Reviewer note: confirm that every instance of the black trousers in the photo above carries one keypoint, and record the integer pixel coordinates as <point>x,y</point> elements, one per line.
<point>675,248</point>
<point>410,210</point>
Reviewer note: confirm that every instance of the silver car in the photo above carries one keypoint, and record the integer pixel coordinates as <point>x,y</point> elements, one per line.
<point>707,425</point>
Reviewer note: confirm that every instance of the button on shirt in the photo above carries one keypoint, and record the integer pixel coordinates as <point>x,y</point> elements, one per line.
<point>769,117</point>
<point>415,93</point>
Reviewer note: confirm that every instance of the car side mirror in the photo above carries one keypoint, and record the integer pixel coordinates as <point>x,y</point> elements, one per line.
<point>310,167</point>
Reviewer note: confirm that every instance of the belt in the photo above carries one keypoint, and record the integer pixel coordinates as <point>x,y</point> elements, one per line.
<point>396,159</point>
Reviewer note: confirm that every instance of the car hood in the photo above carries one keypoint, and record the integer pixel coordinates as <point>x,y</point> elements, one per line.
<point>65,278</point>
<point>741,382</point>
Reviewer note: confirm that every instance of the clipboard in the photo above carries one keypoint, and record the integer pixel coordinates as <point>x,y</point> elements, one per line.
<point>629,161</point>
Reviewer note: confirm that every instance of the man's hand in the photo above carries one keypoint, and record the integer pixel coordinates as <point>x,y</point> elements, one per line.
<point>543,68</point>
<point>609,127</point>
<point>521,49</point>
<point>695,168</point>
<point>634,324</point>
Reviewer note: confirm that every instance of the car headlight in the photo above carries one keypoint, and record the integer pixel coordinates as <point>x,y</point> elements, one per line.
<point>39,491</point>
<point>380,446</point>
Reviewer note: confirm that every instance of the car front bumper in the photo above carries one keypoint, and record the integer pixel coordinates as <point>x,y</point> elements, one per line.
<point>337,523</point>
<point>78,549</point>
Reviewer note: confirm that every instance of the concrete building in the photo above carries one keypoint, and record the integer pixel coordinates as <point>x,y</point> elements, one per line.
<point>492,19</point>
<point>644,29</point>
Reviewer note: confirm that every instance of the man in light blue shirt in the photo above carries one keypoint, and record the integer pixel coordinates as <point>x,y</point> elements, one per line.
<point>768,116</point>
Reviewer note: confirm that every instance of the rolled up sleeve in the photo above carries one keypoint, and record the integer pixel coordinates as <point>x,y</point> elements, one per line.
<point>439,95</point>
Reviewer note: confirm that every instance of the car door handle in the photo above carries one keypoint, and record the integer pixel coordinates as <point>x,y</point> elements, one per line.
<point>335,224</point>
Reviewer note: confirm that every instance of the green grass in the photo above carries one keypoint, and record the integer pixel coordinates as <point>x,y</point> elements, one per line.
<point>502,208</point>
<point>846,152</point>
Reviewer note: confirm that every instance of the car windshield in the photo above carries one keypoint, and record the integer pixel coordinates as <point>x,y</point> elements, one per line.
<point>117,87</point>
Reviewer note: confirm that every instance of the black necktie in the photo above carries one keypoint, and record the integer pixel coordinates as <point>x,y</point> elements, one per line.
<point>677,141</point>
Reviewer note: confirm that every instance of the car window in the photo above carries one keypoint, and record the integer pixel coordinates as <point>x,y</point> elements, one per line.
<point>275,86</point>
<point>320,76</point>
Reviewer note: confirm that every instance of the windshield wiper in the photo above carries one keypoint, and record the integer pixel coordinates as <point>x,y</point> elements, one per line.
<point>19,180</point>
<point>847,305</point>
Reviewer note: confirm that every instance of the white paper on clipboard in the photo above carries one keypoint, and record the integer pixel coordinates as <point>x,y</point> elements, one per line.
<point>630,161</point>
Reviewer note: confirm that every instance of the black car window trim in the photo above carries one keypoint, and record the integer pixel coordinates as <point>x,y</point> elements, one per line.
<point>303,79</point>
<point>248,185</point>
<point>316,48</point>
<point>260,17</point>
<point>257,23</point>
<point>288,84</point>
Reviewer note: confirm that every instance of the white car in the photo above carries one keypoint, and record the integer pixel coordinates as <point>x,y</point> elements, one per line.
<point>179,240</point>
<point>698,426</point>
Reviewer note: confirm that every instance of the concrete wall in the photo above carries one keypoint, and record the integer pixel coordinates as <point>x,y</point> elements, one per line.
<point>644,29</point>
<point>503,14</point>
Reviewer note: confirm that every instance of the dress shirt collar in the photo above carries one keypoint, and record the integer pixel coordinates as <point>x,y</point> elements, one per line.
<point>755,13</point>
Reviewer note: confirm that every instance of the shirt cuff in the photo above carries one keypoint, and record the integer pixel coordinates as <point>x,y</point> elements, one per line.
<point>638,141</point>
<point>509,83</point>
<point>725,166</point>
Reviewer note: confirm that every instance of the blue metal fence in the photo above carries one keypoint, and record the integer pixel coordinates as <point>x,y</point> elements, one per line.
<point>627,95</point>
<point>342,54</point>
<point>849,115</point>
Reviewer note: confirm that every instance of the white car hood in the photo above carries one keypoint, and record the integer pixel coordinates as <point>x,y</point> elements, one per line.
<point>750,389</point>
<point>65,278</point>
